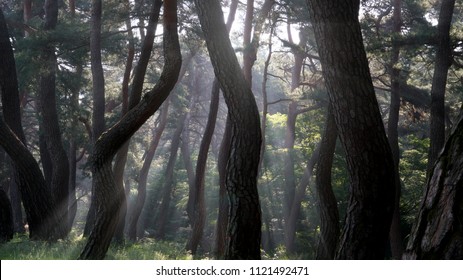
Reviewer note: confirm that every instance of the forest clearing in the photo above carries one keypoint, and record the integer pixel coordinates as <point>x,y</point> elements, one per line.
<point>227,129</point>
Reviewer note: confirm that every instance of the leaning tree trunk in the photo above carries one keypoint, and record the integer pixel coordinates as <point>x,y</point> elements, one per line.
<point>44,223</point>
<point>244,222</point>
<point>108,197</point>
<point>360,128</point>
<point>438,231</point>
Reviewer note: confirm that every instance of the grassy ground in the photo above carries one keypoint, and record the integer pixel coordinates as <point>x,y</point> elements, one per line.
<point>21,248</point>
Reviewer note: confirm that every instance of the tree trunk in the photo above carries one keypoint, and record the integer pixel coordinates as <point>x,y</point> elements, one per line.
<point>395,236</point>
<point>143,176</point>
<point>98,94</point>
<point>199,207</point>
<point>121,158</point>
<point>438,231</point>
<point>360,127</point>
<point>168,186</point>
<point>327,203</point>
<point>290,137</point>
<point>44,223</point>
<point>106,193</point>
<point>290,176</point>
<point>12,115</point>
<point>439,81</point>
<point>6,218</point>
<point>138,79</point>
<point>244,222</point>
<point>299,195</point>
<point>221,230</point>
<point>59,183</point>
<point>73,150</point>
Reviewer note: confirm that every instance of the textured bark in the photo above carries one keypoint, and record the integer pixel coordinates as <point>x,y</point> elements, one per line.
<point>244,222</point>
<point>224,204</point>
<point>360,128</point>
<point>107,195</point>
<point>395,236</point>
<point>50,122</point>
<point>443,61</point>
<point>221,230</point>
<point>438,230</point>
<point>327,203</point>
<point>135,96</point>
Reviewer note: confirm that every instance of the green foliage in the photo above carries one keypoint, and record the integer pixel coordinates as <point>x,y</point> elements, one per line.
<point>22,248</point>
<point>412,175</point>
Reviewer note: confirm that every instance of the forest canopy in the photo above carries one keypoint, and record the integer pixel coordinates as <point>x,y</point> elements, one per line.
<point>257,129</point>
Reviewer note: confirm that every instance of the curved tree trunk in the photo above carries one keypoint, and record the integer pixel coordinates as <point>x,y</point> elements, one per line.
<point>221,229</point>
<point>107,195</point>
<point>135,93</point>
<point>360,128</point>
<point>244,222</point>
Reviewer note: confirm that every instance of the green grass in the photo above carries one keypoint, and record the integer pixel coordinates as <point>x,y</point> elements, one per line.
<point>21,248</point>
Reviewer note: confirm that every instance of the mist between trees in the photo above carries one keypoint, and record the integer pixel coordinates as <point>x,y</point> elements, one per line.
<point>286,129</point>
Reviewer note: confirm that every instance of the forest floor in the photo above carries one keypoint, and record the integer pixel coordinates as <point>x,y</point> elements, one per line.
<point>22,248</point>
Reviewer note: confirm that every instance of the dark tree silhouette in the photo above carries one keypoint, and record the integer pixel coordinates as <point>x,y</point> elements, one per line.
<point>108,196</point>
